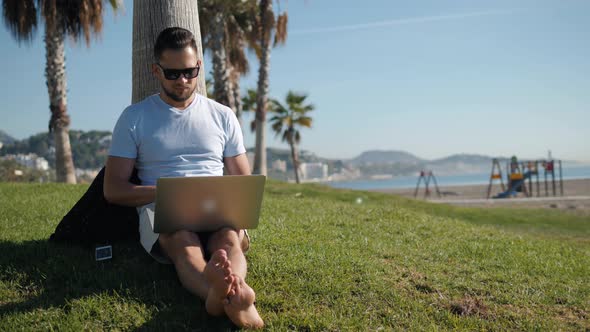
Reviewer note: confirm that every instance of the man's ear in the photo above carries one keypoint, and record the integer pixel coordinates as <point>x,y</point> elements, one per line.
<point>155,69</point>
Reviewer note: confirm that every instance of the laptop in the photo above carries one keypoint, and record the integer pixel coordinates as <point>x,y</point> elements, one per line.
<point>208,203</point>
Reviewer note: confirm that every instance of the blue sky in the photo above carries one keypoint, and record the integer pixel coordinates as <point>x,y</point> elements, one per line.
<point>432,78</point>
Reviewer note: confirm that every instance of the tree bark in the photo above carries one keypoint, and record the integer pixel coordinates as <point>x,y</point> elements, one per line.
<point>221,86</point>
<point>294,156</point>
<point>234,80</point>
<point>263,82</point>
<point>150,17</point>
<point>55,74</point>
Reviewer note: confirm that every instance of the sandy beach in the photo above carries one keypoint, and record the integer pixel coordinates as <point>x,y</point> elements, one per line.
<point>576,196</point>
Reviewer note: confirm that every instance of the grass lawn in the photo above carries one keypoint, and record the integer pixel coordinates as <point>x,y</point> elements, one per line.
<point>319,261</point>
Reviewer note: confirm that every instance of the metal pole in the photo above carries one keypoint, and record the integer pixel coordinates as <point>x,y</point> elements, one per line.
<point>537,175</point>
<point>530,193</point>
<point>553,178</point>
<point>427,193</point>
<point>418,184</point>
<point>546,187</point>
<point>560,179</point>
<point>491,177</point>
<point>435,185</point>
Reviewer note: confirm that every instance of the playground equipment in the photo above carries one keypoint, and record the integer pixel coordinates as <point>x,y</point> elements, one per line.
<point>520,177</point>
<point>426,176</point>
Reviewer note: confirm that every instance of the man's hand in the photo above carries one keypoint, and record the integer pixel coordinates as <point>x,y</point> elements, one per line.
<point>118,189</point>
<point>237,165</point>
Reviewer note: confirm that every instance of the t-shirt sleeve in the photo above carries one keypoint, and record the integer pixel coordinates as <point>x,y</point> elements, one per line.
<point>124,143</point>
<point>234,144</point>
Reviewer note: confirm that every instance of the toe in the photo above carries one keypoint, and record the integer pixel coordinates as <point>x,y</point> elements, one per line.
<point>229,279</point>
<point>219,257</point>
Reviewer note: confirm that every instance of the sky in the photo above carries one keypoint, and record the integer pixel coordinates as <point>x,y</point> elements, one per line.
<point>430,77</point>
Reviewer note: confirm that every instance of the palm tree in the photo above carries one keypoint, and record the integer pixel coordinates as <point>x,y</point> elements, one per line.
<point>226,27</point>
<point>62,18</point>
<point>287,120</point>
<point>266,25</point>
<point>150,17</point>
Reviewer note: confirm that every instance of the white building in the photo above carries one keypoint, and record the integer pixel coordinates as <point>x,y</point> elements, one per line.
<point>279,165</point>
<point>313,171</point>
<point>31,160</point>
<point>90,173</point>
<point>105,141</point>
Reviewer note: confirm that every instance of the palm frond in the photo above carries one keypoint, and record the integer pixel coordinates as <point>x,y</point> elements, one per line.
<point>249,101</point>
<point>286,136</point>
<point>277,107</point>
<point>281,29</point>
<point>304,121</point>
<point>277,127</point>
<point>20,18</point>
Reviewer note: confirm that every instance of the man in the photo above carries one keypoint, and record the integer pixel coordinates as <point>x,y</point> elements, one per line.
<point>180,133</point>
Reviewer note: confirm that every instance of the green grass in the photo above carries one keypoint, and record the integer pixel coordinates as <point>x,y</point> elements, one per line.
<point>319,261</point>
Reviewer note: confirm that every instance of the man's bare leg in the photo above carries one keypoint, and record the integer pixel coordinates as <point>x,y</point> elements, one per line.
<point>240,307</point>
<point>186,252</point>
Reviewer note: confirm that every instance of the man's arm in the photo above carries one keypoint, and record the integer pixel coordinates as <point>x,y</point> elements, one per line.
<point>118,189</point>
<point>237,165</point>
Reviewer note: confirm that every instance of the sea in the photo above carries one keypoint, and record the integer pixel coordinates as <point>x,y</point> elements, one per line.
<point>569,173</point>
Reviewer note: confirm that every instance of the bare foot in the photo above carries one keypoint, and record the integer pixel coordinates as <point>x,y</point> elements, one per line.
<point>239,306</point>
<point>219,276</point>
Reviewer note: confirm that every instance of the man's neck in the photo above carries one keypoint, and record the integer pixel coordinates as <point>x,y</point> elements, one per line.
<point>180,105</point>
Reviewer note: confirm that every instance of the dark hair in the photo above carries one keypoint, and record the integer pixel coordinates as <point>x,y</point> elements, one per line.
<point>173,38</point>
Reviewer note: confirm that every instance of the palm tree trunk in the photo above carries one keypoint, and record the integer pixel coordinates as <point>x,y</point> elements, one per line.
<point>55,74</point>
<point>295,158</point>
<point>234,80</point>
<point>221,87</point>
<point>149,18</point>
<point>263,82</point>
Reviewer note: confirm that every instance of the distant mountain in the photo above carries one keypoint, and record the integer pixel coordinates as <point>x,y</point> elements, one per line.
<point>273,154</point>
<point>399,163</point>
<point>385,157</point>
<point>89,148</point>
<point>461,164</point>
<point>464,158</point>
<point>5,138</point>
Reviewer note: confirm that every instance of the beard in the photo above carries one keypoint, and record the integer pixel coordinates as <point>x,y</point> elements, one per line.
<point>179,97</point>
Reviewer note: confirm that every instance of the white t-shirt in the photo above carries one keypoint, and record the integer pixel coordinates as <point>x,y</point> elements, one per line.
<point>167,142</point>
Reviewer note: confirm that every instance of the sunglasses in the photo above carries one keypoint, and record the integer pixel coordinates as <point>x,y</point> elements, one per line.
<point>174,74</point>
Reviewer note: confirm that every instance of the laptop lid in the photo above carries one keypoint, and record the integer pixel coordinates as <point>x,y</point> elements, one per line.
<point>208,203</point>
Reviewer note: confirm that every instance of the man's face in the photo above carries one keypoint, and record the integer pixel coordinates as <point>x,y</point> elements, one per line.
<point>182,88</point>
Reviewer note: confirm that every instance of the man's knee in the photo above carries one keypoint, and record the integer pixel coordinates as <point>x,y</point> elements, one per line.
<point>180,243</point>
<point>225,238</point>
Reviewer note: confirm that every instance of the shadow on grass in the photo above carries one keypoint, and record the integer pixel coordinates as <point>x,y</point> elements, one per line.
<point>41,275</point>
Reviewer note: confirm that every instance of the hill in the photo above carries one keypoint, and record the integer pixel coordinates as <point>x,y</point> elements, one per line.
<point>89,148</point>
<point>319,261</point>
<point>385,157</point>
<point>399,163</point>
<point>5,138</point>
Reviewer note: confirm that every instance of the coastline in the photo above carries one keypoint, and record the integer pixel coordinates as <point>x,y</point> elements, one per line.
<point>576,196</point>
